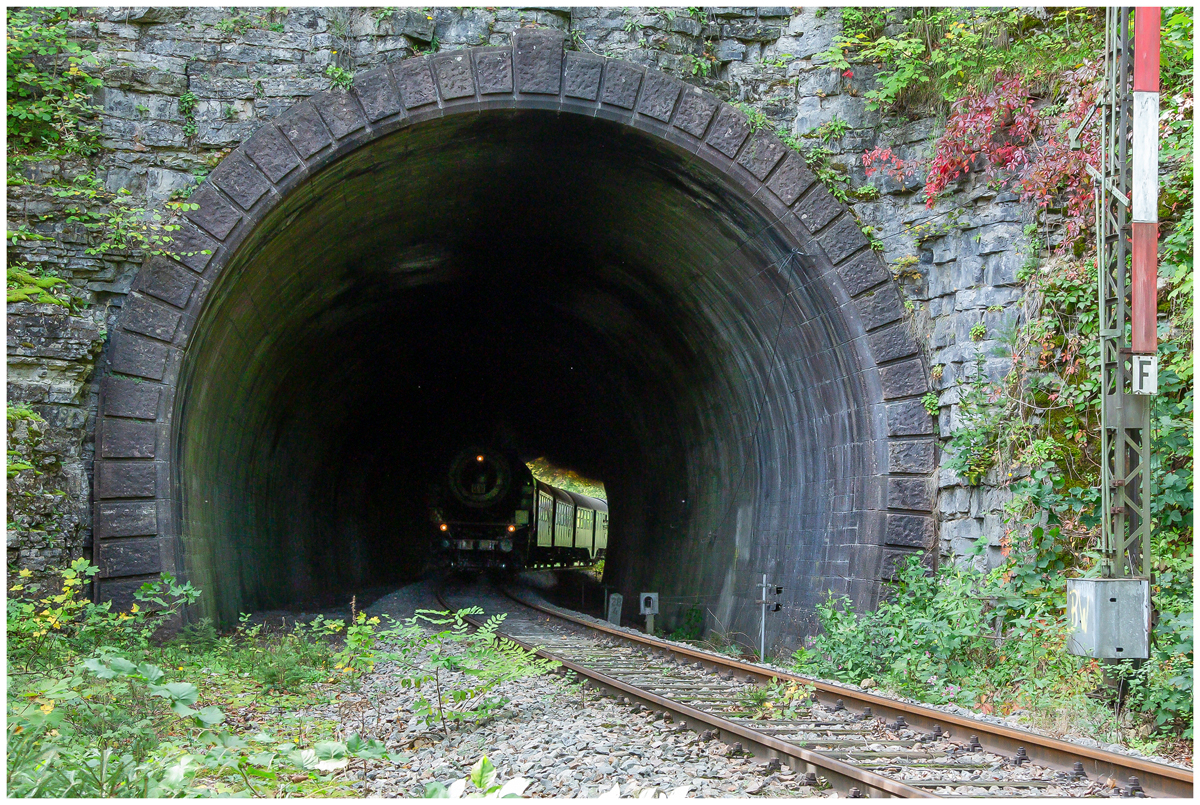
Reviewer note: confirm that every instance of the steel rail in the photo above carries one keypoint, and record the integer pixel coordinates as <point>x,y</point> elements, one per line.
<point>842,776</point>
<point>1156,779</point>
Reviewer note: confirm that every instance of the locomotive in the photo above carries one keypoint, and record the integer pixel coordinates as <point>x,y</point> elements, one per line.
<point>490,512</point>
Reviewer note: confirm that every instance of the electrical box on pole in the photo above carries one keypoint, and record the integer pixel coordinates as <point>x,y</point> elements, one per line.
<point>1110,616</point>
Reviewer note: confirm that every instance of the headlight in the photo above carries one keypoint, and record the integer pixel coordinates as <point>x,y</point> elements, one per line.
<point>506,545</point>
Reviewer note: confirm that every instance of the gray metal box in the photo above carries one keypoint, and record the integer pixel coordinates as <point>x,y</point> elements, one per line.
<point>1110,618</point>
<point>649,603</point>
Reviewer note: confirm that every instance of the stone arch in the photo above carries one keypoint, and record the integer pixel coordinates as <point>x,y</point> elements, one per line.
<point>880,497</point>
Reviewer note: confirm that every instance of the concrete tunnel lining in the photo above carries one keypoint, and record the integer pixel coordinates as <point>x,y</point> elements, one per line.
<point>623,297</point>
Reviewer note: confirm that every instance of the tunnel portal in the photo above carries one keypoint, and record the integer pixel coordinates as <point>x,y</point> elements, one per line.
<point>619,275</point>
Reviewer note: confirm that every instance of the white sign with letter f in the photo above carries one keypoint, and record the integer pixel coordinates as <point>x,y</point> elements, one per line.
<point>1145,374</point>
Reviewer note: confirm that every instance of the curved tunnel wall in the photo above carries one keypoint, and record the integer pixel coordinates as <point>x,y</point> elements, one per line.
<point>561,252</point>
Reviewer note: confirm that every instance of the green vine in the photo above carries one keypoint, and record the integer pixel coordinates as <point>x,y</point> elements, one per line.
<point>116,223</point>
<point>187,108</point>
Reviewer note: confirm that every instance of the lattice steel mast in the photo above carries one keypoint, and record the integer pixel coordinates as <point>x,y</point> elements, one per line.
<point>1125,415</point>
<point>1110,616</point>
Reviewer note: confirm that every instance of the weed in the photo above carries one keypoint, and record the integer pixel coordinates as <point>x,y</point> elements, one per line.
<point>339,78</point>
<point>116,223</point>
<point>187,108</point>
<point>692,625</point>
<point>483,777</point>
<point>832,130</point>
<point>932,406</point>
<point>484,659</point>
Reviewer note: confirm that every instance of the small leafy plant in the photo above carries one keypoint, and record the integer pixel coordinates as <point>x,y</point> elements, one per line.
<point>339,78</point>
<point>483,778</point>
<point>436,658</point>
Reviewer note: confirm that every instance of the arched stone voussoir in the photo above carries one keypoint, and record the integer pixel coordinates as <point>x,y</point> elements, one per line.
<point>535,73</point>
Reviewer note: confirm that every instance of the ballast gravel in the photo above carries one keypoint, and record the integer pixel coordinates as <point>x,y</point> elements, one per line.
<point>1016,721</point>
<point>565,741</point>
<point>573,742</point>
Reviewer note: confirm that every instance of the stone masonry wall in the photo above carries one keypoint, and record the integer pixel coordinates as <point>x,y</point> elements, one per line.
<point>246,66</point>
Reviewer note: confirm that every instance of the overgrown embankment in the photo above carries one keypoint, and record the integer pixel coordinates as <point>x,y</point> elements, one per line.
<point>99,704</point>
<point>1011,86</point>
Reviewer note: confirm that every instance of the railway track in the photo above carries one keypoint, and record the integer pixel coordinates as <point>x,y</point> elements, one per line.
<point>855,742</point>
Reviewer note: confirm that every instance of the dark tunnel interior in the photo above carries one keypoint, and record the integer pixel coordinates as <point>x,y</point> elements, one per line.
<point>562,285</point>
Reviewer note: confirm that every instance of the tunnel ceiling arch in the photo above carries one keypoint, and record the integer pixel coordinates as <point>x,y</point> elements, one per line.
<point>699,321</point>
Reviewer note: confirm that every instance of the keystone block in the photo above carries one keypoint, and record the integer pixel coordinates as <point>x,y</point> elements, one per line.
<point>130,399</point>
<point>843,239</point>
<point>270,151</point>
<point>792,179</point>
<point>132,355</point>
<point>582,75</point>
<point>903,379</point>
<point>818,208</point>
<point>891,343</point>
<point>122,438</point>
<point>215,216</point>
<point>909,531</point>
<point>729,131</point>
<point>908,418</point>
<point>494,66</point>
<point>120,591</point>
<point>126,519</point>
<point>453,73</point>
<point>621,84</point>
<point>147,318</point>
<point>659,96</point>
<point>761,154</point>
<point>908,493</point>
<point>695,111</point>
<point>241,180</point>
<point>865,271</point>
<point>303,127</point>
<point>162,280</point>
<point>415,82</point>
<point>895,560</point>
<point>377,94</point>
<point>539,57</point>
<point>911,457</point>
<point>339,109</point>
<point>878,307</point>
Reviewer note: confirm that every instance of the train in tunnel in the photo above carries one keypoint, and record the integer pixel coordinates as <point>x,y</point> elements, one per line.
<point>491,513</point>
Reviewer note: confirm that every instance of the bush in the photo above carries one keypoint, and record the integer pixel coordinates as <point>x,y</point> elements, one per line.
<point>935,638</point>
<point>285,661</point>
<point>48,87</point>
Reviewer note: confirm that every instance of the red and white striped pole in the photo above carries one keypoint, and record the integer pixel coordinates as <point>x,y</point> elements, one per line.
<point>1144,312</point>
